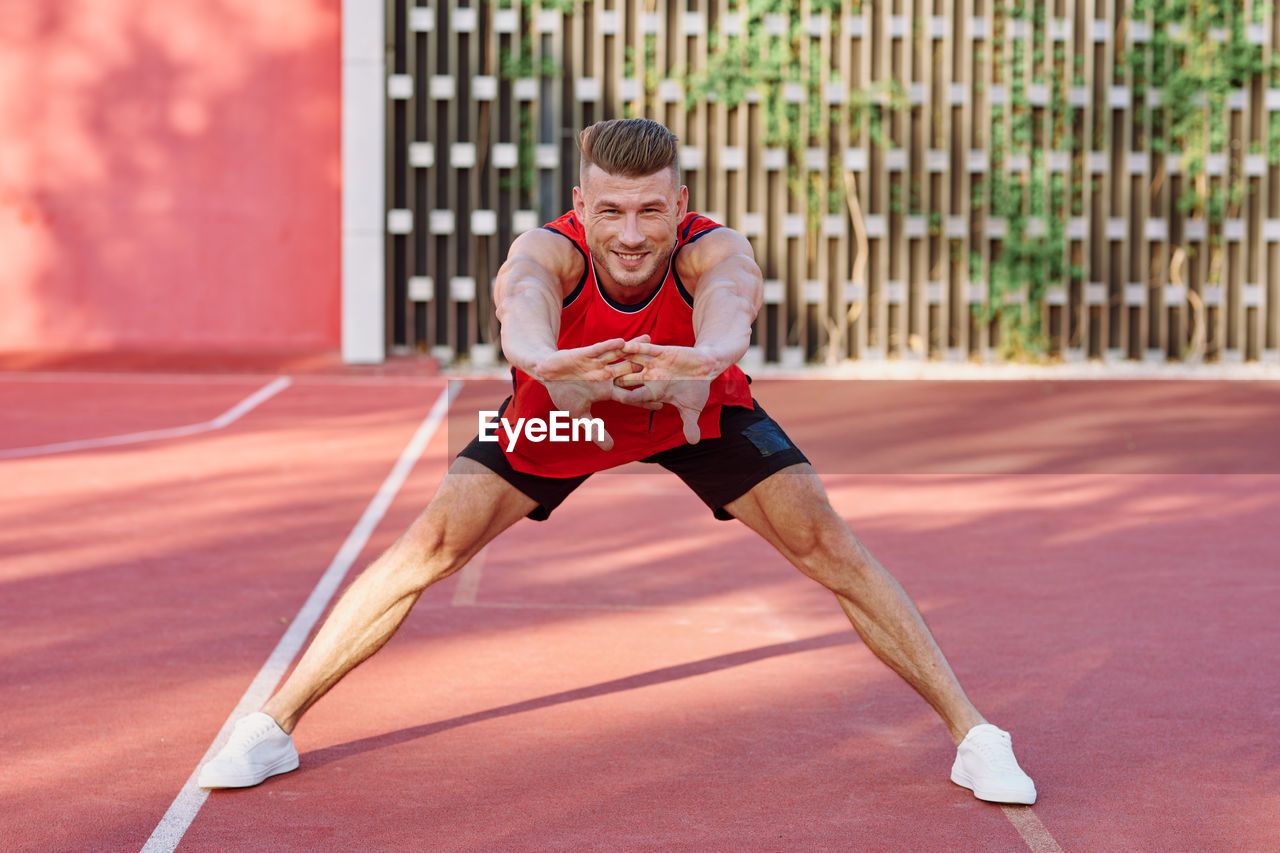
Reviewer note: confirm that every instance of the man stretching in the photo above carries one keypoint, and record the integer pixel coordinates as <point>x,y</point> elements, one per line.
<point>632,310</point>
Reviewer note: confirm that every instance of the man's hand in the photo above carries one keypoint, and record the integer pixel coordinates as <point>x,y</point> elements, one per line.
<point>678,376</point>
<point>576,378</point>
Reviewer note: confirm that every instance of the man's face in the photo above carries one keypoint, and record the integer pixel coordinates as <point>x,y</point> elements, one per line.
<point>630,225</point>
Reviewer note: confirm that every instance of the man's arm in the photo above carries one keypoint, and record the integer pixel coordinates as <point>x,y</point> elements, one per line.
<point>528,292</point>
<point>727,287</point>
<point>527,296</point>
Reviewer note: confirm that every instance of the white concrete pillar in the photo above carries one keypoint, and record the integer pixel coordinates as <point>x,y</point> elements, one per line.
<point>363,203</point>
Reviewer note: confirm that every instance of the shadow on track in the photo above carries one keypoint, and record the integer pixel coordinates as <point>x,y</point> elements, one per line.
<point>321,757</point>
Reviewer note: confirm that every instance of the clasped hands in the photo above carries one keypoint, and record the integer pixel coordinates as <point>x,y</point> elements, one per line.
<point>635,372</point>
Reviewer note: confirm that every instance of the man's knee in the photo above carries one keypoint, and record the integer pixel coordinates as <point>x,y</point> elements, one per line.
<point>440,541</point>
<point>469,509</point>
<point>801,518</point>
<point>806,528</point>
<point>814,535</point>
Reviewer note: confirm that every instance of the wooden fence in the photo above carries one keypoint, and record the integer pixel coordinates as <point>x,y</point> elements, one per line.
<point>941,179</point>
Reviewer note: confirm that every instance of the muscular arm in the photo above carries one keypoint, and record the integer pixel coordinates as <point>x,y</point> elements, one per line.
<point>728,290</point>
<point>527,296</point>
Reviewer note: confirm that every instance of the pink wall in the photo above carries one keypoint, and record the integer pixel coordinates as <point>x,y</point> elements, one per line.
<point>169,175</point>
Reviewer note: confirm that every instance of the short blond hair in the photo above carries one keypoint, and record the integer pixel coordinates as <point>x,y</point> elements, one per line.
<point>629,147</point>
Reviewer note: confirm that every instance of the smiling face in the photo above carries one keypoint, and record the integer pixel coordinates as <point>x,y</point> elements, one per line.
<point>630,226</point>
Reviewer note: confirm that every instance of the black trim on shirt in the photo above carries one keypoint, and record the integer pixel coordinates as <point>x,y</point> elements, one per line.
<point>684,293</point>
<point>639,306</point>
<point>586,266</point>
<point>689,227</point>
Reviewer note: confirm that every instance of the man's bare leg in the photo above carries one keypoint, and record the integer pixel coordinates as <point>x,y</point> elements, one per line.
<point>471,507</point>
<point>790,510</point>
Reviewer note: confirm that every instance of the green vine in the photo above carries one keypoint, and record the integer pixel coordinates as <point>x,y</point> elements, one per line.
<point>521,64</point>
<point>1034,202</point>
<point>783,72</point>
<point>1197,56</point>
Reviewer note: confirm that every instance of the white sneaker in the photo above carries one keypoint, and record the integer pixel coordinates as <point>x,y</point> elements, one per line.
<point>258,748</point>
<point>985,765</point>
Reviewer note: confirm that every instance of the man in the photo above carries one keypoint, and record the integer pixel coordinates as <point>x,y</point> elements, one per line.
<point>635,311</point>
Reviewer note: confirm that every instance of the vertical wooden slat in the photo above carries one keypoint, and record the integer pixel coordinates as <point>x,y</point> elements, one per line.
<point>816,297</point>
<point>1255,243</point>
<point>396,249</point>
<point>411,328</point>
<point>488,192</point>
<point>860,273</point>
<point>961,141</point>
<point>1056,75</point>
<point>979,142</point>
<point>919,333</point>
<point>780,255</point>
<point>1138,295</point>
<point>436,247</point>
<point>1120,129</point>
<point>1270,350</point>
<point>1169,316</point>
<point>578,64</point>
<point>950,58</point>
<point>429,321</point>
<point>899,139</point>
<point>613,62</point>
<point>452,127</point>
<point>880,270</point>
<point>1103,273</point>
<point>913,183</point>
<point>472,264</point>
<point>1155,277</point>
<point>840,340</point>
<point>998,170</point>
<point>1232,314</point>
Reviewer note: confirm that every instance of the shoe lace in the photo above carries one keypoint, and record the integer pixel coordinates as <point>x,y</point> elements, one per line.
<point>997,752</point>
<point>246,736</point>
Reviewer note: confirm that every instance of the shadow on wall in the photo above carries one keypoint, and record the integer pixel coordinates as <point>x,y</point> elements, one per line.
<point>170,175</point>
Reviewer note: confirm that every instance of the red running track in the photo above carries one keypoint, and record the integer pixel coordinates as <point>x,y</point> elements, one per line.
<point>634,675</point>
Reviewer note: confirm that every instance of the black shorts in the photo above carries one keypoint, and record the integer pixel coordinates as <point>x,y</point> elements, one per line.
<point>751,447</point>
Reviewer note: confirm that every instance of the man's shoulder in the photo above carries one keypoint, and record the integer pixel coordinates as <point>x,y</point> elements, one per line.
<point>566,225</point>
<point>695,224</point>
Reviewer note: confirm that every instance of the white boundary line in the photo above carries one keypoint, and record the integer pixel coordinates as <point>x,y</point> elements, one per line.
<point>426,375</point>
<point>129,378</point>
<point>1033,832</point>
<point>168,833</point>
<point>227,418</point>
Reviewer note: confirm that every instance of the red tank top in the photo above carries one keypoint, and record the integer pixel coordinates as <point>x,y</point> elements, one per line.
<point>588,316</point>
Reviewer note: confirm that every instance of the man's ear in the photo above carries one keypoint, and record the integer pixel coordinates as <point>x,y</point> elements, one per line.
<point>579,205</point>
<point>682,206</point>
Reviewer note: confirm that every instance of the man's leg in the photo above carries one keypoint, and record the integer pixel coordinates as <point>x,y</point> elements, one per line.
<point>791,511</point>
<point>471,507</point>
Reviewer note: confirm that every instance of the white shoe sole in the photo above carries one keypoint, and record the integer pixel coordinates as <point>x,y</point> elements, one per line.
<point>211,778</point>
<point>994,795</point>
